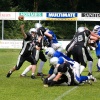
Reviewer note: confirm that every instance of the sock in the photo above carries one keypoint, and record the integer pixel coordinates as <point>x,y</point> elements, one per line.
<point>98,62</point>
<point>51,71</point>
<point>90,63</point>
<point>83,78</point>
<point>40,66</point>
<point>26,71</point>
<point>33,74</point>
<point>81,68</point>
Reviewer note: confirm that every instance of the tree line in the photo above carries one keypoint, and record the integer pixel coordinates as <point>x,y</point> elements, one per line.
<point>63,30</point>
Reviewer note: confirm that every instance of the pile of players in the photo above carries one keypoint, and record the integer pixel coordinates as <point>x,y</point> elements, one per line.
<point>63,69</point>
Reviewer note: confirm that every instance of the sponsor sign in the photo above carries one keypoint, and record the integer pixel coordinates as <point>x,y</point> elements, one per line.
<point>31,15</point>
<point>61,16</point>
<point>7,15</point>
<point>17,44</point>
<point>88,16</point>
<point>10,44</point>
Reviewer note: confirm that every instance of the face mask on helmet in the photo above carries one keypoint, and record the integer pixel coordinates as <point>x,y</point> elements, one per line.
<point>54,61</point>
<point>80,29</point>
<point>38,25</point>
<point>32,30</point>
<point>49,52</point>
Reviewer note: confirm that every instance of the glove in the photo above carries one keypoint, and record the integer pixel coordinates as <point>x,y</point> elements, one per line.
<point>45,81</point>
<point>51,83</point>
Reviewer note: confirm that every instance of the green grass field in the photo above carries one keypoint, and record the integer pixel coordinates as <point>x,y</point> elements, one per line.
<point>17,88</point>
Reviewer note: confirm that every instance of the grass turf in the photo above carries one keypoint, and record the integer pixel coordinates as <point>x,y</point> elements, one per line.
<point>17,88</point>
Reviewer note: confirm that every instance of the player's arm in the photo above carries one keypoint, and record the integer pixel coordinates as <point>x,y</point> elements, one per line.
<point>23,32</point>
<point>94,36</point>
<point>47,34</point>
<point>57,76</point>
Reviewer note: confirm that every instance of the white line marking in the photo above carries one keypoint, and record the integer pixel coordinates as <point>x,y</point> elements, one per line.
<point>65,93</point>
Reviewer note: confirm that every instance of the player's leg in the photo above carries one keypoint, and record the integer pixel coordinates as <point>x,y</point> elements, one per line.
<point>43,60</point>
<point>90,60</point>
<point>20,61</point>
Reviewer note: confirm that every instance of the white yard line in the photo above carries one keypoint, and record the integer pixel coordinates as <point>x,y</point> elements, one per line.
<point>68,91</point>
<point>65,93</point>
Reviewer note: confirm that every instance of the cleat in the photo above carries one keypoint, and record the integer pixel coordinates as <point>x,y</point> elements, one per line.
<point>93,78</point>
<point>89,74</point>
<point>33,77</point>
<point>89,82</point>
<point>41,74</point>
<point>42,78</point>
<point>9,73</point>
<point>23,75</point>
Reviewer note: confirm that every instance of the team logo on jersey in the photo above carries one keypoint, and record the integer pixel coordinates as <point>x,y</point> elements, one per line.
<point>61,16</point>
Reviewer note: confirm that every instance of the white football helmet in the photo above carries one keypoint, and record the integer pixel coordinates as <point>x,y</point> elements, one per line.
<point>54,61</point>
<point>96,28</point>
<point>38,25</point>
<point>49,52</point>
<point>80,29</point>
<point>32,30</point>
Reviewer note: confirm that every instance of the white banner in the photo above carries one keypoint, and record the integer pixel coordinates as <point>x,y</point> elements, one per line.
<point>56,16</point>
<point>7,16</point>
<point>17,44</point>
<point>10,44</point>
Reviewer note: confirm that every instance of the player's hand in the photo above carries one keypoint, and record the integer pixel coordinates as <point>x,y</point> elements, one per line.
<point>45,81</point>
<point>51,83</point>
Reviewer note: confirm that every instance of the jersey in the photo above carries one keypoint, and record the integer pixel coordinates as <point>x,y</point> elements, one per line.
<point>60,54</point>
<point>66,69</point>
<point>98,46</point>
<point>27,45</point>
<point>40,31</point>
<point>72,73</point>
<point>49,41</point>
<point>82,38</point>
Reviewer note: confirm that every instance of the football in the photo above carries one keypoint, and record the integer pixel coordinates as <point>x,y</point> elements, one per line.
<point>21,17</point>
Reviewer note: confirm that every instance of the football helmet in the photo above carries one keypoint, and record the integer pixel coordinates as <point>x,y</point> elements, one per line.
<point>38,25</point>
<point>32,30</point>
<point>54,61</point>
<point>80,29</point>
<point>49,51</point>
<point>96,28</point>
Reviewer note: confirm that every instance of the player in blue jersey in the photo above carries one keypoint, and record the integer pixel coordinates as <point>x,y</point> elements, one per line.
<point>64,72</point>
<point>50,52</point>
<point>97,31</point>
<point>52,40</point>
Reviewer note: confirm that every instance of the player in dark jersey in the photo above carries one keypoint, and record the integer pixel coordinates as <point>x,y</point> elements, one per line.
<point>40,31</point>
<point>26,51</point>
<point>80,52</point>
<point>39,54</point>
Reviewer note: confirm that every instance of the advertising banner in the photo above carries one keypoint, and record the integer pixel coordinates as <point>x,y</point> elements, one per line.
<point>61,16</point>
<point>7,16</point>
<point>31,15</point>
<point>88,16</point>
